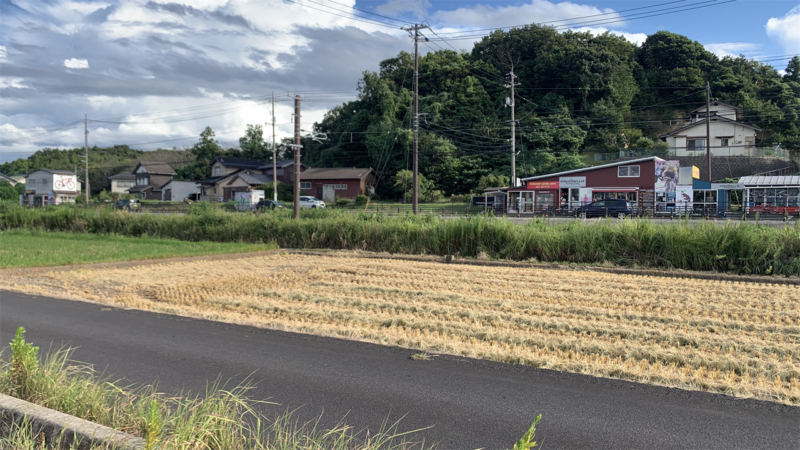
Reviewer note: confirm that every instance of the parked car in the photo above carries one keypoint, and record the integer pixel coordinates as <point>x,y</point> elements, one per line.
<point>609,207</point>
<point>311,202</point>
<point>268,204</point>
<point>128,204</point>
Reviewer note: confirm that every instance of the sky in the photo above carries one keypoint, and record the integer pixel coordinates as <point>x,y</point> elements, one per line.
<point>154,73</point>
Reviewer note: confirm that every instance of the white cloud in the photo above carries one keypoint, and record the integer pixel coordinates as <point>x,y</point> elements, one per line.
<point>74,63</point>
<point>393,7</point>
<point>3,53</point>
<point>16,83</point>
<point>537,11</point>
<point>634,38</point>
<point>786,30</point>
<point>733,49</point>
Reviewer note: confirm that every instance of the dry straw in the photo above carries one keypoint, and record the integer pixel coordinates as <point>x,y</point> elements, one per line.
<point>731,337</point>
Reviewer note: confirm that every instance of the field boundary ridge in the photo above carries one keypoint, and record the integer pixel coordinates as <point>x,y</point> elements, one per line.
<point>54,425</point>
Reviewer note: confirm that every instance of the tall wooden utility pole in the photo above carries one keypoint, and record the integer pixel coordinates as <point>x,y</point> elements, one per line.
<point>510,80</point>
<point>296,146</point>
<point>417,37</point>
<point>274,156</point>
<point>708,131</point>
<point>86,156</point>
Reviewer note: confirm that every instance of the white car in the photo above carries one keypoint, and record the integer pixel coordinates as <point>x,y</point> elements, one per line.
<point>311,202</point>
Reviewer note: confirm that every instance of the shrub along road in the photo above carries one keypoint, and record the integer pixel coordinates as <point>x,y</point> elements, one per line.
<point>470,403</point>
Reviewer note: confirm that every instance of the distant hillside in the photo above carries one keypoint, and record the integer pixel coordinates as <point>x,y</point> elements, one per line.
<point>577,92</point>
<point>103,162</point>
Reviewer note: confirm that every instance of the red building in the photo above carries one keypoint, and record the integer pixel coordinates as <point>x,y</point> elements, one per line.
<point>327,184</point>
<point>636,180</point>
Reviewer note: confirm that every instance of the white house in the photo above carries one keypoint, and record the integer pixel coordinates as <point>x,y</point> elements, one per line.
<point>121,182</point>
<point>50,187</point>
<point>728,136</point>
<point>178,190</point>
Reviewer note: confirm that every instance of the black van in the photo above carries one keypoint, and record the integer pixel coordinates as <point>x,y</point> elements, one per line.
<point>609,207</point>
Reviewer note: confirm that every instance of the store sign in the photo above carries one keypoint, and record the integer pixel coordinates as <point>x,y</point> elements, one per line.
<point>65,182</point>
<point>726,186</point>
<point>572,182</point>
<point>695,172</point>
<point>542,185</point>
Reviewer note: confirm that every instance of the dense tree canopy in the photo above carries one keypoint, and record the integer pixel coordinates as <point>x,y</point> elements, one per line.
<point>578,93</point>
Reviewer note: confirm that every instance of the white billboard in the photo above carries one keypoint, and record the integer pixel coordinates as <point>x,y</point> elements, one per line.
<point>65,182</point>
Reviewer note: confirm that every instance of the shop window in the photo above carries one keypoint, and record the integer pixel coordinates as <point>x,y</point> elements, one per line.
<point>693,145</point>
<point>627,171</point>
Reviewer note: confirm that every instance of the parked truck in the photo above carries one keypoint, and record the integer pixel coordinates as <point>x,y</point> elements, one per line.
<point>247,201</point>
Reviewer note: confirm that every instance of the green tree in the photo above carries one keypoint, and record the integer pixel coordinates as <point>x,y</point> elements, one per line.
<point>253,145</point>
<point>7,192</point>
<point>793,70</point>
<point>204,152</point>
<point>404,187</point>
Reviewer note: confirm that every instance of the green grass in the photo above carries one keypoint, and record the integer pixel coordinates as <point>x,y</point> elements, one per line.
<point>31,248</point>
<point>737,248</point>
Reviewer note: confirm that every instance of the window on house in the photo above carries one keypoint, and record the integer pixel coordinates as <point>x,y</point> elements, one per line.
<point>628,171</point>
<point>693,145</point>
<point>216,170</point>
<point>724,142</point>
<point>305,185</point>
<point>44,181</point>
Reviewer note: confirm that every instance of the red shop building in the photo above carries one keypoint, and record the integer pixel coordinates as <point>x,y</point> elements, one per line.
<point>633,180</point>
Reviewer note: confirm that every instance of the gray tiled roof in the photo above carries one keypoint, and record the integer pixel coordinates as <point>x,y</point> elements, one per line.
<point>335,173</point>
<point>254,179</point>
<point>123,176</point>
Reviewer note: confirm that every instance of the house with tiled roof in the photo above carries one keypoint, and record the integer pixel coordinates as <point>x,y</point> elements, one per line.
<point>343,182</point>
<point>150,178</point>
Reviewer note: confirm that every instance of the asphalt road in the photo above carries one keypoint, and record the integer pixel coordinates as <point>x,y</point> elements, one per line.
<point>469,403</point>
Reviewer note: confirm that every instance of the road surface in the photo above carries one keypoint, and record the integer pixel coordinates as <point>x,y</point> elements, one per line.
<point>470,403</point>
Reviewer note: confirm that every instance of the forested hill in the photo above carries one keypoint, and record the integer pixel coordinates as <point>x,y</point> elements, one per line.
<point>577,93</point>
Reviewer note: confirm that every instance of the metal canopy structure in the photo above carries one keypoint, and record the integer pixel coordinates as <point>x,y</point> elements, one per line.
<point>783,181</point>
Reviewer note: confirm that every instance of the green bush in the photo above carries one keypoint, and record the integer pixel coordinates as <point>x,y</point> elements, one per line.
<point>343,202</point>
<point>738,248</point>
<point>361,200</point>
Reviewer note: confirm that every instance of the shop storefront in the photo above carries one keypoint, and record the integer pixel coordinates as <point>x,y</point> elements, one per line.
<point>564,192</point>
<point>772,195</point>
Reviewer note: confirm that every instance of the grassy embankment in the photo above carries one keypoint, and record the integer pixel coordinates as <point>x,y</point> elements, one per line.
<point>26,248</point>
<point>736,248</point>
<point>219,419</point>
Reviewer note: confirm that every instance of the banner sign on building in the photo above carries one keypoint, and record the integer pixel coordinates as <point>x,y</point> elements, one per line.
<point>667,175</point>
<point>726,186</point>
<point>572,182</point>
<point>542,185</point>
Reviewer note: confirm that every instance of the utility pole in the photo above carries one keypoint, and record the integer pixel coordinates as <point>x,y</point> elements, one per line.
<point>274,155</point>
<point>708,131</point>
<point>86,156</point>
<point>510,83</point>
<point>415,168</point>
<point>297,146</point>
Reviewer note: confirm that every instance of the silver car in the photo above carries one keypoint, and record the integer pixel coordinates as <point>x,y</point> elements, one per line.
<point>311,202</point>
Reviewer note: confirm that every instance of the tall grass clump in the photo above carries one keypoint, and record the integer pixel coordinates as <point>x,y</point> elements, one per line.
<point>738,248</point>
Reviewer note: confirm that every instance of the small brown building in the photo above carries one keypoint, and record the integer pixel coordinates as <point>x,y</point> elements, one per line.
<point>327,184</point>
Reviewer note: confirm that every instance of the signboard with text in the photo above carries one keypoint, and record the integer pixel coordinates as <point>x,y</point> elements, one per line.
<point>542,185</point>
<point>572,182</point>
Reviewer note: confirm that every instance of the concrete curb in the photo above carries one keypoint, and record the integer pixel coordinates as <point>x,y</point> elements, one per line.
<point>54,425</point>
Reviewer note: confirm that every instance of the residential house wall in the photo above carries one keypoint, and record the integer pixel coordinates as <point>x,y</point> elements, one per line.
<point>727,139</point>
<point>51,187</point>
<point>178,190</point>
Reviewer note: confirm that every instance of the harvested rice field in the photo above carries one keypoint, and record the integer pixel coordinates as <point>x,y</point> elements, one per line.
<point>737,338</point>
